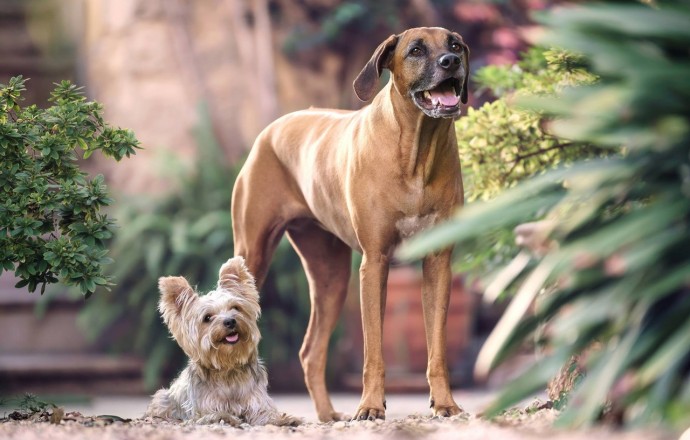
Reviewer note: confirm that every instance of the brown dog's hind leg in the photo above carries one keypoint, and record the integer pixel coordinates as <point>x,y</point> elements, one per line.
<point>262,204</point>
<point>326,260</point>
<point>257,247</point>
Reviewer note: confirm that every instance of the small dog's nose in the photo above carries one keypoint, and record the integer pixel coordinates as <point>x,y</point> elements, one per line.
<point>449,61</point>
<point>230,323</point>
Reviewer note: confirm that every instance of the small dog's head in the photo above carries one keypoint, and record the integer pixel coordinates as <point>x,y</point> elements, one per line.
<point>217,330</point>
<point>430,66</point>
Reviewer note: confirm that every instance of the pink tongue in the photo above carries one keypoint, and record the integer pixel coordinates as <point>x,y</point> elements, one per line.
<point>445,97</point>
<point>232,338</point>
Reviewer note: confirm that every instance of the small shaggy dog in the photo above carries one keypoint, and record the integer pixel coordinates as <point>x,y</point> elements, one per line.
<point>225,379</point>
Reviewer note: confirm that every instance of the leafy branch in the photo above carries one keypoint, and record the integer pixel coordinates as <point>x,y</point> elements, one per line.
<point>51,227</point>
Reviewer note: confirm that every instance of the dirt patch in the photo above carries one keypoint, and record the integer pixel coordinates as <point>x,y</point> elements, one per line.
<point>75,426</point>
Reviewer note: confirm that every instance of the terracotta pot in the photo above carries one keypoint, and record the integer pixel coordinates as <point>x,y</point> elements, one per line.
<point>404,337</point>
<point>403,328</point>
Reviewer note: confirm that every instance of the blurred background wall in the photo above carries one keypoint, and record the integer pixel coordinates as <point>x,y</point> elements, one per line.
<point>151,61</point>
<point>199,75</point>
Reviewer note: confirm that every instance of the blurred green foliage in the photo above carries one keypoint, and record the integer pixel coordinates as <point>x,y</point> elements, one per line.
<point>189,233</point>
<point>341,20</point>
<point>51,225</point>
<point>501,144</point>
<point>619,281</point>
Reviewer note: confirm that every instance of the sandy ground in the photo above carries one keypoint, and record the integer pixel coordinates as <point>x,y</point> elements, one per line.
<point>300,405</point>
<point>407,418</point>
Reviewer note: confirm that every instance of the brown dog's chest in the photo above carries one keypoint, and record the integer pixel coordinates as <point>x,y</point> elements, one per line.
<point>425,206</point>
<point>409,225</point>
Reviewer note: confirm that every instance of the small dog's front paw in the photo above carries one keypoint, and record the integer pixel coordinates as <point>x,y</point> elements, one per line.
<point>210,419</point>
<point>287,420</point>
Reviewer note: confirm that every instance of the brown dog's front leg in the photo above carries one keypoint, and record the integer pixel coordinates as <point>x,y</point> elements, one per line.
<point>373,274</point>
<point>435,299</point>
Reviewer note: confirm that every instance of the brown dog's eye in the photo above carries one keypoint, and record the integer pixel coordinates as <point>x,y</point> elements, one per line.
<point>416,51</point>
<point>207,318</point>
<point>455,47</point>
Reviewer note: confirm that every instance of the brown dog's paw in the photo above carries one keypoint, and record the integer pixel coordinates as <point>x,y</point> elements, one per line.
<point>364,413</point>
<point>338,416</point>
<point>334,416</point>
<point>446,411</point>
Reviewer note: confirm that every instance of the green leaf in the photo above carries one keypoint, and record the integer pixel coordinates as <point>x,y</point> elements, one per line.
<point>619,283</point>
<point>531,381</point>
<point>592,392</point>
<point>666,357</point>
<point>473,220</point>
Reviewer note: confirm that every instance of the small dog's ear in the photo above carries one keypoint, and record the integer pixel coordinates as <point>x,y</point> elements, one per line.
<point>234,273</point>
<point>176,293</point>
<point>367,80</point>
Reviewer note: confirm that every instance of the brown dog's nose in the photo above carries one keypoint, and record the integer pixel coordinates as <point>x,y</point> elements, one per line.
<point>230,323</point>
<point>449,61</point>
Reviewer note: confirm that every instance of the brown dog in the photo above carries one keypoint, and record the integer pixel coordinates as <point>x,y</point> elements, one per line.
<point>363,180</point>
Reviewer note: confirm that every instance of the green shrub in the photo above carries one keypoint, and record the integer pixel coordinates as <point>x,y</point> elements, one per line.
<point>51,225</point>
<point>619,280</point>
<point>501,144</point>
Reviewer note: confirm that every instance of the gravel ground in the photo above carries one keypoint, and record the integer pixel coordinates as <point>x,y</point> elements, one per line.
<point>518,425</point>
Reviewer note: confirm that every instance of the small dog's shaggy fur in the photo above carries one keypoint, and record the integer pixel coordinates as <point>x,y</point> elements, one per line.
<point>225,379</point>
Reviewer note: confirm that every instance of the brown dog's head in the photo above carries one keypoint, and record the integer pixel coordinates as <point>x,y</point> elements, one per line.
<point>429,65</point>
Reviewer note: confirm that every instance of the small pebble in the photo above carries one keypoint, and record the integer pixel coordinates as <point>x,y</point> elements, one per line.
<point>57,415</point>
<point>339,425</point>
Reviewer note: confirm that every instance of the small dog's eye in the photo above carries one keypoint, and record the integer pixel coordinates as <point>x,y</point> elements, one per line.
<point>207,318</point>
<point>416,51</point>
<point>455,47</point>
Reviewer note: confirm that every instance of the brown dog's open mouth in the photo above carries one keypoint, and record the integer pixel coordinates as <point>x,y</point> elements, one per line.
<point>442,99</point>
<point>232,338</point>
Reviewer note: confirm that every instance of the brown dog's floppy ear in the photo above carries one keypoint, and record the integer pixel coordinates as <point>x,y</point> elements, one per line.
<point>367,80</point>
<point>234,273</point>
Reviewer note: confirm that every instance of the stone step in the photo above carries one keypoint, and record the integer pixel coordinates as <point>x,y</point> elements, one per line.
<point>79,373</point>
<point>29,326</point>
<point>47,353</point>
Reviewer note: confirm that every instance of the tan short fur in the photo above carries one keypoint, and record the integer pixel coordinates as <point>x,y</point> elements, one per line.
<point>365,180</point>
